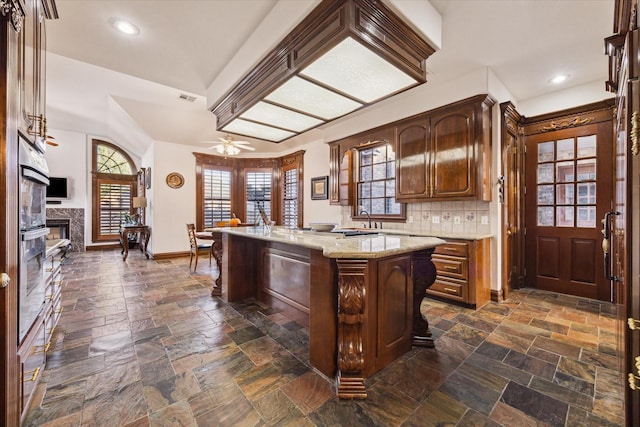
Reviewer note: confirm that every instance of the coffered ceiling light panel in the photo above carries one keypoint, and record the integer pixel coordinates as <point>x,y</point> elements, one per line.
<point>257,130</point>
<point>263,112</point>
<point>355,70</point>
<point>345,55</point>
<point>302,95</point>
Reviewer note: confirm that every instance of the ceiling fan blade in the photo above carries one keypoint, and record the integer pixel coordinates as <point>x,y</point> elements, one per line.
<point>244,147</point>
<point>51,143</point>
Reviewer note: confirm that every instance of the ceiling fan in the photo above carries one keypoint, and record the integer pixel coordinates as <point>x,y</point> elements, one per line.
<point>49,141</point>
<point>230,147</point>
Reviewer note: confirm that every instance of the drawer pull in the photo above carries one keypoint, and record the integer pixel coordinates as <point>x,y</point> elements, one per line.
<point>455,291</point>
<point>52,330</point>
<point>34,375</point>
<point>59,311</point>
<point>45,348</point>
<point>49,270</point>
<point>448,267</point>
<point>51,297</point>
<point>446,248</point>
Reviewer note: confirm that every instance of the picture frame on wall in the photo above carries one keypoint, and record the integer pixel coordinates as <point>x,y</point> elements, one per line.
<point>320,188</point>
<point>147,177</point>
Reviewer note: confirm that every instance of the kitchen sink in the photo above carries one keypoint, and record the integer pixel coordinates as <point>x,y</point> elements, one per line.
<point>348,232</point>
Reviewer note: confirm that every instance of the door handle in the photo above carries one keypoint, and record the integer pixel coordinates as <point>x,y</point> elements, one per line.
<point>606,245</point>
<point>4,280</point>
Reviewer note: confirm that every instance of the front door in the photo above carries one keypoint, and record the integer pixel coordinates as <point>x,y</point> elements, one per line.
<point>568,190</point>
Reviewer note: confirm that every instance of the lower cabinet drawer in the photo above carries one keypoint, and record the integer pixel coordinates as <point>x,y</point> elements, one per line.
<point>448,287</point>
<point>32,359</point>
<point>451,267</point>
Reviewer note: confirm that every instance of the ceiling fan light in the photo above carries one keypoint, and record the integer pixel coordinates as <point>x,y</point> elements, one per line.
<point>227,149</point>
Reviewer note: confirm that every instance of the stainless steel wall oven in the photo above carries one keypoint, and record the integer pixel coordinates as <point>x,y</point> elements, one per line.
<point>33,234</point>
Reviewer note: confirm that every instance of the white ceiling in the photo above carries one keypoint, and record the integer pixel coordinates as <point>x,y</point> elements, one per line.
<point>185,45</point>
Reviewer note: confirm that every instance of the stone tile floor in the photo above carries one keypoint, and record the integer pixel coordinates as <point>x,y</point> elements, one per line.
<point>141,343</point>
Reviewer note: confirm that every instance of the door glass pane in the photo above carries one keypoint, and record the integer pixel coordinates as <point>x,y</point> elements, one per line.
<point>545,216</point>
<point>565,194</point>
<point>545,194</point>
<point>366,173</point>
<point>587,193</point>
<point>564,216</point>
<point>586,169</point>
<point>587,216</point>
<point>565,149</point>
<point>545,173</point>
<point>586,146</point>
<point>545,152</point>
<point>564,172</point>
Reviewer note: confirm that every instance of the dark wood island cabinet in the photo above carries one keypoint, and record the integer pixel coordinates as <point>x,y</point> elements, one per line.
<point>360,297</point>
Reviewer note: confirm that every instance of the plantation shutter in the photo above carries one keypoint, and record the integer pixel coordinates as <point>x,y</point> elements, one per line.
<point>258,190</point>
<point>114,201</point>
<point>290,198</point>
<point>217,196</point>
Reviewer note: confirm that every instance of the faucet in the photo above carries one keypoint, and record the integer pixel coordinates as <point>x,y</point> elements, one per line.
<point>368,216</point>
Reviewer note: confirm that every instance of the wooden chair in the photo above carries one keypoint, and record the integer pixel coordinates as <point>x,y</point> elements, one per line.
<point>195,247</point>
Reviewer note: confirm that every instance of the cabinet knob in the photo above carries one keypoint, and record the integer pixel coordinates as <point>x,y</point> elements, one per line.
<point>633,324</point>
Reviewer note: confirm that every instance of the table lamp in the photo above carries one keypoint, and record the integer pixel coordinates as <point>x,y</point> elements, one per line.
<point>139,203</point>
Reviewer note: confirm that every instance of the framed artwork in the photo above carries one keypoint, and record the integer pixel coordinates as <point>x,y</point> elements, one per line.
<point>175,180</point>
<point>147,177</point>
<point>320,188</point>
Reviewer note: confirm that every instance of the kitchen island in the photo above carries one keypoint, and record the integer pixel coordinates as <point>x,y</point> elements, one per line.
<point>359,296</point>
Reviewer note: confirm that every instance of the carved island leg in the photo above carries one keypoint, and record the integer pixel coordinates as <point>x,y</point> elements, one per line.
<point>216,291</point>
<point>424,274</point>
<point>351,306</point>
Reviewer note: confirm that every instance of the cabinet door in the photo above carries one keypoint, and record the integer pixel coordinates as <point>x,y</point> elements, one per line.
<point>395,308</point>
<point>40,98</point>
<point>27,70</point>
<point>453,146</point>
<point>334,174</point>
<point>412,160</point>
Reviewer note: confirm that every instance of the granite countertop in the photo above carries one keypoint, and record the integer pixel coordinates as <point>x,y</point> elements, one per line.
<point>335,245</point>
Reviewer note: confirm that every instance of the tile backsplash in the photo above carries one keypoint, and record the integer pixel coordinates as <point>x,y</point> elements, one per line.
<point>460,217</point>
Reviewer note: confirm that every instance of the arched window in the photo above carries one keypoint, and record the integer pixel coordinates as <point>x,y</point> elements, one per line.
<point>113,187</point>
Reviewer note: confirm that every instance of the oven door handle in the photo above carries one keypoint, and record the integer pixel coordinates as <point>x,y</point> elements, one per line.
<point>34,175</point>
<point>34,234</point>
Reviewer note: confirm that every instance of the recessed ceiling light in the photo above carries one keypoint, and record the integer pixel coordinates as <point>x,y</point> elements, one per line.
<point>124,26</point>
<point>559,78</point>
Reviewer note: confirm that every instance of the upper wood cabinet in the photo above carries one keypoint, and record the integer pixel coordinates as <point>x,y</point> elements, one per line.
<point>442,154</point>
<point>446,153</point>
<point>31,74</point>
<point>412,159</point>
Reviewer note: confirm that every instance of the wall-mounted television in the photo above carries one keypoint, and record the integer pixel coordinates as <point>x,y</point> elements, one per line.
<point>58,188</point>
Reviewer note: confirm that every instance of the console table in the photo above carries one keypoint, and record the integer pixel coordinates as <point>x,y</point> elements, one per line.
<point>145,234</point>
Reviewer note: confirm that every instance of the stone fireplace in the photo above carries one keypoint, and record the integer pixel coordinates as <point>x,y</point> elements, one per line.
<point>69,221</point>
